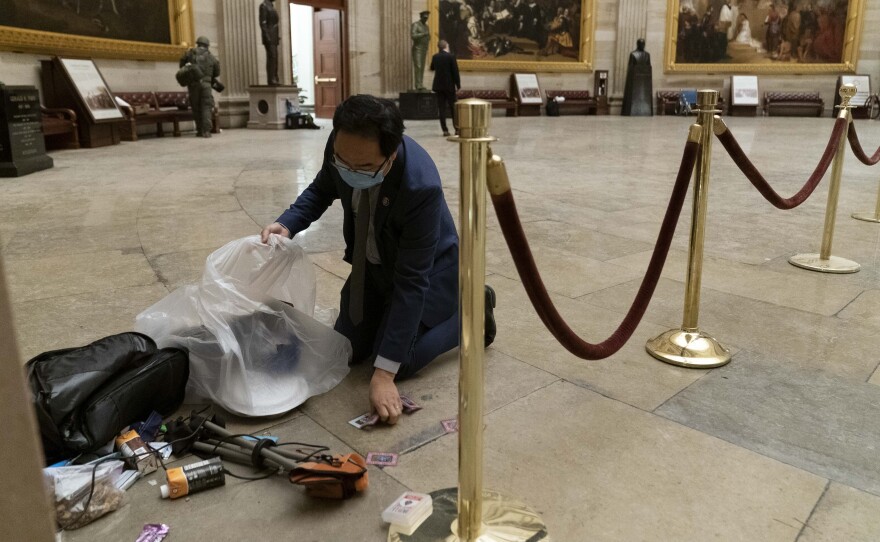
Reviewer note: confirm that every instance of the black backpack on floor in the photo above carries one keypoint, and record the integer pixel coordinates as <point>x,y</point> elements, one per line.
<point>85,396</point>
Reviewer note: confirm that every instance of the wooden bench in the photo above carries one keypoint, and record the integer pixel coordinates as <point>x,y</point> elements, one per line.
<point>59,128</point>
<point>577,102</point>
<point>144,109</point>
<point>158,108</point>
<point>793,104</point>
<point>178,102</point>
<point>500,99</point>
<point>667,102</point>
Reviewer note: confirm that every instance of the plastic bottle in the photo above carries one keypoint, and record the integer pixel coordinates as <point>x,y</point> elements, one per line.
<point>193,478</point>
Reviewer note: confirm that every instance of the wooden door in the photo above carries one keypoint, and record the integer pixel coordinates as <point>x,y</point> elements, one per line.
<point>328,62</point>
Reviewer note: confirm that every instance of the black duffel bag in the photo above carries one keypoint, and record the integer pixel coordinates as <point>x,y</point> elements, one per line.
<point>84,396</point>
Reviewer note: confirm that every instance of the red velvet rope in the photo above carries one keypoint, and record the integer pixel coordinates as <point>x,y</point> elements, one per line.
<point>505,208</point>
<point>754,176</point>
<point>857,149</point>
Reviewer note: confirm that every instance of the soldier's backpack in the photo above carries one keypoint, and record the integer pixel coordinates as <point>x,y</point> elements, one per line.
<point>300,120</point>
<point>190,73</point>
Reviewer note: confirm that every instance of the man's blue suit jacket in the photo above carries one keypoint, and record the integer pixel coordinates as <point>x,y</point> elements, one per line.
<point>415,236</point>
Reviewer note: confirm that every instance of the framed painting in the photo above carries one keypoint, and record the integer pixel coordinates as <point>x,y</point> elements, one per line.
<point>98,28</point>
<point>516,35</point>
<point>763,36</point>
<point>92,89</point>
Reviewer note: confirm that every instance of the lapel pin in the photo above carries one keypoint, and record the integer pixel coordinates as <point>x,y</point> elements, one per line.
<point>386,201</point>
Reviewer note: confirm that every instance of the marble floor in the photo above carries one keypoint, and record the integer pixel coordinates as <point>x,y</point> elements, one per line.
<point>779,445</point>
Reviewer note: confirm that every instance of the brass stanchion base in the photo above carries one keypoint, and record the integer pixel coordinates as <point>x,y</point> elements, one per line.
<point>834,264</point>
<point>867,217</point>
<point>684,348</point>
<point>504,520</point>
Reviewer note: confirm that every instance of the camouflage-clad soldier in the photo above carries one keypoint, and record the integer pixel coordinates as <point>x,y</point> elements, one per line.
<point>200,96</point>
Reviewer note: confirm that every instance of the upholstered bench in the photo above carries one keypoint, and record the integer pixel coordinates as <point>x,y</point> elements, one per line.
<point>178,102</point>
<point>667,102</point>
<point>158,108</point>
<point>499,99</point>
<point>59,128</point>
<point>793,104</point>
<point>577,102</point>
<point>144,109</point>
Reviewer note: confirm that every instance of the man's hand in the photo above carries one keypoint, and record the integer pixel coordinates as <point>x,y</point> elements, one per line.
<point>384,397</point>
<point>276,228</point>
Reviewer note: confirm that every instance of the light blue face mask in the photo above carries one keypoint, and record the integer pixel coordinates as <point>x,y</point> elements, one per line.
<point>360,180</point>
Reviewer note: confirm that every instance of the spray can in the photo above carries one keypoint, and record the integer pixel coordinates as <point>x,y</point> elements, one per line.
<point>193,478</point>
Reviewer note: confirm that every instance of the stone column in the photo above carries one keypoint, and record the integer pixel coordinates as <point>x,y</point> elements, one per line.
<point>632,24</point>
<point>285,50</point>
<point>396,63</point>
<point>239,61</point>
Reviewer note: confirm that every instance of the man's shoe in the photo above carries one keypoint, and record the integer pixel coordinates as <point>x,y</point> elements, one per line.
<point>445,133</point>
<point>490,316</point>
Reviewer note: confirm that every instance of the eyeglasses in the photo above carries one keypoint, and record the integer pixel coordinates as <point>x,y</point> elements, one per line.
<point>337,162</point>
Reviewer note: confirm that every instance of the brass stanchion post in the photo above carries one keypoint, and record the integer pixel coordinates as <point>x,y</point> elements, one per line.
<point>870,217</point>
<point>824,262</point>
<point>469,513</point>
<point>687,346</point>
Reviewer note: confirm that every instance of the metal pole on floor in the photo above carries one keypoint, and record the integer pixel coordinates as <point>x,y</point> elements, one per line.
<point>824,262</point>
<point>470,513</point>
<point>868,216</point>
<point>688,346</point>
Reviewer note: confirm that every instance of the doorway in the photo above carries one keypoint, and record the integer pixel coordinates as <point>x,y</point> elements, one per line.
<point>320,55</point>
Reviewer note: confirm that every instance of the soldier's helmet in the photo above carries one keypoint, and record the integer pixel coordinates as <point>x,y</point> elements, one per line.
<point>203,41</point>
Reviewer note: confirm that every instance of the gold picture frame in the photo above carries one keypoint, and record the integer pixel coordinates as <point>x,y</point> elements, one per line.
<point>182,31</point>
<point>766,64</point>
<point>517,63</point>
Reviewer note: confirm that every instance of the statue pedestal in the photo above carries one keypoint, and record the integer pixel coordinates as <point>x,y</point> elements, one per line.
<point>268,108</point>
<point>415,105</point>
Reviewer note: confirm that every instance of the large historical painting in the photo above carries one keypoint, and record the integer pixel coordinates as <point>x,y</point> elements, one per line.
<point>96,18</point>
<point>516,35</point>
<point>763,36</point>
<point>138,29</point>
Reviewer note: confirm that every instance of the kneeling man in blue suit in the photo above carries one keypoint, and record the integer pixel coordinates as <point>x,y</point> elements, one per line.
<point>399,306</point>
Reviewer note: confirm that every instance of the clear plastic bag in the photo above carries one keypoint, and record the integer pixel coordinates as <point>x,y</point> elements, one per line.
<point>254,347</point>
<point>71,487</point>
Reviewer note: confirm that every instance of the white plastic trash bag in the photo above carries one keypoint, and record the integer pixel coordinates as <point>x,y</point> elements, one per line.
<point>254,347</point>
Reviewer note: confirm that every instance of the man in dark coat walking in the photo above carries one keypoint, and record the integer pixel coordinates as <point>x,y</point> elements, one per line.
<point>446,83</point>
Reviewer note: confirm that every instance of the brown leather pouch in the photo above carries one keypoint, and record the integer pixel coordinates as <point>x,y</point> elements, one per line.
<point>339,477</point>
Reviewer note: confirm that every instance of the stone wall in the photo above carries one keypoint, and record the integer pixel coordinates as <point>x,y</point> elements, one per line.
<point>377,68</point>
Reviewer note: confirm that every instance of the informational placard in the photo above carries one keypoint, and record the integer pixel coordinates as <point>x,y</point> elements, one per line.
<point>863,88</point>
<point>744,90</point>
<point>22,148</point>
<point>527,88</point>
<point>92,89</point>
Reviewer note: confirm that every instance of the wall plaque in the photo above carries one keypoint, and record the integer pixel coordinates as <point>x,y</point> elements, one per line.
<point>22,148</point>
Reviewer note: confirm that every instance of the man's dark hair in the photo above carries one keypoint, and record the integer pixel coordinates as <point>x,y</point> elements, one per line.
<point>371,117</point>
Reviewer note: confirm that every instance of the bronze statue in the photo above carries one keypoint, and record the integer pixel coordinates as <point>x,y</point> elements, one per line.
<point>638,90</point>
<point>201,98</point>
<point>420,37</point>
<point>271,39</point>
